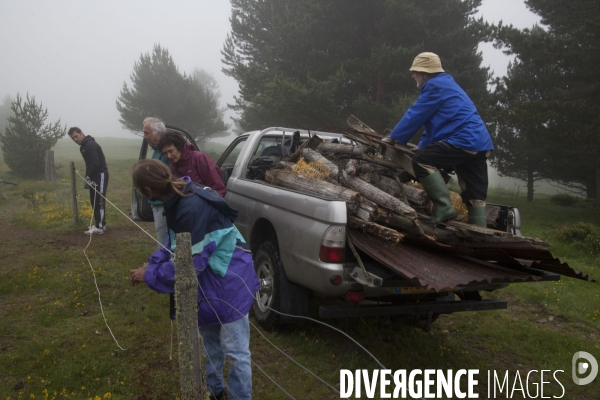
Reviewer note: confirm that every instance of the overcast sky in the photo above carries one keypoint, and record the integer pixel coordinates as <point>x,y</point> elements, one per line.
<point>74,56</point>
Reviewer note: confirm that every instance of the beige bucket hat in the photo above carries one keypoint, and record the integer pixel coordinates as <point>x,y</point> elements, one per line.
<point>427,62</point>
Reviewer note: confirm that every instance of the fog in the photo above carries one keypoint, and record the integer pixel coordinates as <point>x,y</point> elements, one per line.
<point>74,56</point>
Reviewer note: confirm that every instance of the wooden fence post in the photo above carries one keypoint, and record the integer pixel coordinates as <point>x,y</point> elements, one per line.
<point>50,170</point>
<point>74,193</point>
<point>186,303</point>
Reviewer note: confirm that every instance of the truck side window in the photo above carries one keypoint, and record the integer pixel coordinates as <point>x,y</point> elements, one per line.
<point>231,155</point>
<point>268,146</point>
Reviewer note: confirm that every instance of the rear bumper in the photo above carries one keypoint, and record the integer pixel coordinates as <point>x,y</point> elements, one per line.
<point>435,307</point>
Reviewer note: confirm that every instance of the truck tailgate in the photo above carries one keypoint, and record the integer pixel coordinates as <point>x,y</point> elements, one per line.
<point>438,267</point>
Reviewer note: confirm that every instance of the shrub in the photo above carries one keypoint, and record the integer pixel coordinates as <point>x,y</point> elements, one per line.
<point>564,200</point>
<point>581,235</point>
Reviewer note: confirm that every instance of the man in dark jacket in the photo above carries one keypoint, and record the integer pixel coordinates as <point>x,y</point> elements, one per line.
<point>96,176</point>
<point>455,137</point>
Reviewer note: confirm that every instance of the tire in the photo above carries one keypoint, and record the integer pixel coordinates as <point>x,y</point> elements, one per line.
<point>276,293</point>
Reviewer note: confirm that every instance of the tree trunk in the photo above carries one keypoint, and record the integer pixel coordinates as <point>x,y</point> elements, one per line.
<point>401,159</point>
<point>315,186</point>
<point>414,195</point>
<point>385,233</point>
<point>597,185</point>
<point>342,149</point>
<point>529,181</point>
<point>367,190</point>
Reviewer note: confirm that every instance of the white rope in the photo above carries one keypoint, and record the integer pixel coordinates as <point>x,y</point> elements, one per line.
<point>126,216</point>
<point>94,273</point>
<point>275,346</point>
<point>229,334</point>
<point>318,322</point>
<point>276,311</point>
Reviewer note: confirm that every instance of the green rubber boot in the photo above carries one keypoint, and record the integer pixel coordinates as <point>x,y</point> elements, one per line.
<point>477,214</point>
<point>436,188</point>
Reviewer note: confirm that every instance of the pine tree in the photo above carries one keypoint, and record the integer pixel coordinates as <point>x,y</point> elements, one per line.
<point>571,47</point>
<point>160,90</point>
<point>310,63</point>
<point>27,137</point>
<point>522,118</point>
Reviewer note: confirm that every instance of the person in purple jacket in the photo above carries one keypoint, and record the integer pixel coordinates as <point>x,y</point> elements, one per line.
<point>187,161</point>
<point>227,281</point>
<point>455,137</point>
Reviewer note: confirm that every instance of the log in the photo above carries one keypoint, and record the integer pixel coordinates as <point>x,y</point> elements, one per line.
<point>313,156</point>
<point>414,195</point>
<point>409,227</point>
<point>363,140</point>
<point>342,149</point>
<point>360,127</point>
<point>374,160</point>
<point>385,233</point>
<point>8,182</point>
<point>401,159</point>
<point>367,210</point>
<point>365,189</point>
<point>379,196</point>
<point>287,165</point>
<point>352,167</point>
<point>314,186</point>
<point>311,143</point>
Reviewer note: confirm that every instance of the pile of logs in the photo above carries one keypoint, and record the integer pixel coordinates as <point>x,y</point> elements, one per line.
<point>375,188</point>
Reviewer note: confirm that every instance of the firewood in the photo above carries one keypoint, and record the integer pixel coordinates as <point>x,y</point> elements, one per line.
<point>342,149</point>
<point>409,227</point>
<point>367,190</point>
<point>401,159</point>
<point>385,233</point>
<point>414,195</point>
<point>352,167</point>
<point>360,127</point>
<point>311,143</point>
<point>291,180</point>
<point>367,210</point>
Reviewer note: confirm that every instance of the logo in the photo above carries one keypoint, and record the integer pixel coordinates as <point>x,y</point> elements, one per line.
<point>581,368</point>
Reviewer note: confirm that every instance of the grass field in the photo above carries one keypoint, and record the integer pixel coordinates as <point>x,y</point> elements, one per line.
<point>55,342</point>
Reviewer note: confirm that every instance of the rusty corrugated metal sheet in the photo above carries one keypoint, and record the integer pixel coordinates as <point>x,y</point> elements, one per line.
<point>433,269</point>
<point>526,254</point>
<point>508,254</point>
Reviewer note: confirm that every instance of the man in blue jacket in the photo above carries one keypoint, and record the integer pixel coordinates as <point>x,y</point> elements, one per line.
<point>223,263</point>
<point>455,137</point>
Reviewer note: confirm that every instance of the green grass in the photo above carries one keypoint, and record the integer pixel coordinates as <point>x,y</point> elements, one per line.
<point>53,338</point>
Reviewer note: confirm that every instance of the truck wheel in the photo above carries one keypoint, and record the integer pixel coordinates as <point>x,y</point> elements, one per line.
<point>276,293</point>
<point>269,270</point>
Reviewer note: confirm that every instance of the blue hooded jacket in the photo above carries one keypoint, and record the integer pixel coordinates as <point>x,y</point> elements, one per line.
<point>222,259</point>
<point>449,116</point>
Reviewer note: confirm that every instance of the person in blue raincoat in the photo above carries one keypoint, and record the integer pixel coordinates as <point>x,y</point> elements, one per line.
<point>223,264</point>
<point>455,137</point>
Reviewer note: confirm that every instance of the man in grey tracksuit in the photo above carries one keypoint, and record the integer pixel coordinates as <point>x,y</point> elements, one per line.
<point>96,176</point>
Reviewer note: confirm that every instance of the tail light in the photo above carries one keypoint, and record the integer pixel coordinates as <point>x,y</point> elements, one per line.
<point>355,296</point>
<point>333,245</point>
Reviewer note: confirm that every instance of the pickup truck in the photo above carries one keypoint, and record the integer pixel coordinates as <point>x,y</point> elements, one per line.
<point>302,253</point>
